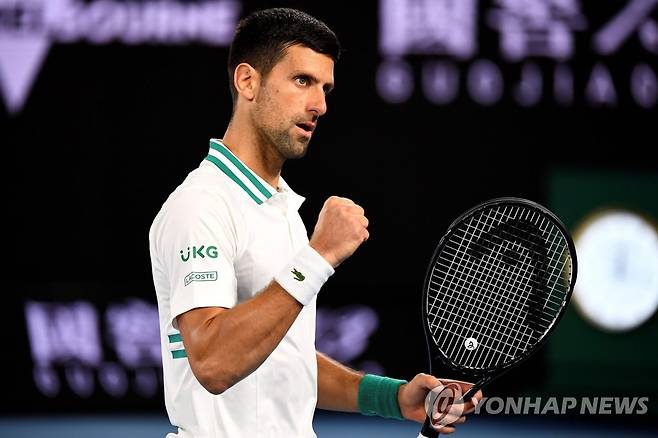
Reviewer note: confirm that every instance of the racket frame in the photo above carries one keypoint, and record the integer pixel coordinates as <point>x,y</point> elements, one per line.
<point>486,376</point>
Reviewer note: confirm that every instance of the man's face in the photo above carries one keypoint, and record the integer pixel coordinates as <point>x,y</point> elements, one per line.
<point>291,98</point>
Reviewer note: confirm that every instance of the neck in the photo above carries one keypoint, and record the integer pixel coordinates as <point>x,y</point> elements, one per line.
<point>254,151</point>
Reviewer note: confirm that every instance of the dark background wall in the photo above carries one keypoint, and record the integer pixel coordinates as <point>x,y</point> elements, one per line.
<point>109,129</point>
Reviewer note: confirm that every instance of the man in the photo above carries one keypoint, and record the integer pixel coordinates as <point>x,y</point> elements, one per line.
<point>235,274</point>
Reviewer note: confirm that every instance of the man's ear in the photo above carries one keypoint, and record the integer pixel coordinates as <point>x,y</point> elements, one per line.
<point>246,81</point>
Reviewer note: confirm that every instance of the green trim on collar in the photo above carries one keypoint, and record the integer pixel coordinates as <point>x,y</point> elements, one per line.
<point>263,193</point>
<point>231,175</point>
<point>219,147</point>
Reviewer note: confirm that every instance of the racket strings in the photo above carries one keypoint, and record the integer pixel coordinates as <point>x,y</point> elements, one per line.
<point>475,299</point>
<point>500,338</point>
<point>503,255</point>
<point>507,333</point>
<point>464,319</point>
<point>499,281</point>
<point>461,252</point>
<point>549,302</point>
<point>505,305</point>
<point>513,232</point>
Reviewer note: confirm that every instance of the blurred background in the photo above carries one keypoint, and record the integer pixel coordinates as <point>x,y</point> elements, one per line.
<point>439,105</point>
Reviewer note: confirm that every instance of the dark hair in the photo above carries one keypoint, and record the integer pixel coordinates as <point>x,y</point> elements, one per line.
<point>262,38</point>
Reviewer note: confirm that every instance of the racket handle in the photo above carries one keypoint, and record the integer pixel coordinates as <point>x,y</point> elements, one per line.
<point>428,431</point>
<point>475,388</point>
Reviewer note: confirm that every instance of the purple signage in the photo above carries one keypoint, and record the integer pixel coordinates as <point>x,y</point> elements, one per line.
<point>445,35</point>
<point>29,27</point>
<point>85,349</point>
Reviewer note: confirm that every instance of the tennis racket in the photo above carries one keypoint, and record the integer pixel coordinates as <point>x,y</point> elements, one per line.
<point>499,281</point>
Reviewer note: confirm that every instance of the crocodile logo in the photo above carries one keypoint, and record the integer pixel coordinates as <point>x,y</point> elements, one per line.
<point>298,275</point>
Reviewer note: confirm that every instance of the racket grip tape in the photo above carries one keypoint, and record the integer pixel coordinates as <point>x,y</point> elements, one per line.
<point>428,431</point>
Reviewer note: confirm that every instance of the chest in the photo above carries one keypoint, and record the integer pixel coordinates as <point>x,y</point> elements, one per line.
<point>274,234</point>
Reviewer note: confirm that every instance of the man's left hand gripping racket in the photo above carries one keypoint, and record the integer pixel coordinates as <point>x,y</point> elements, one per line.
<point>498,283</point>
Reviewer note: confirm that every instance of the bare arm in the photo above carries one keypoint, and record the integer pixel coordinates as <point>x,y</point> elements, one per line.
<point>338,390</point>
<point>226,345</point>
<point>338,386</point>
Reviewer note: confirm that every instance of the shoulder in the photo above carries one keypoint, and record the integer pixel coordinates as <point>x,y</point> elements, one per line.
<point>205,196</point>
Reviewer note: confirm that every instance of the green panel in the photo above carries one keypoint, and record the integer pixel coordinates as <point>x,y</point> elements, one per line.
<point>583,359</point>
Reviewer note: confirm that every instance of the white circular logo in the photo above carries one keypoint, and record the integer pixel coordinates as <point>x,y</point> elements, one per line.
<point>471,344</point>
<point>617,288</point>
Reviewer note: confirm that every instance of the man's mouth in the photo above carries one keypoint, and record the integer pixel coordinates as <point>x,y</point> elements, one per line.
<point>307,126</point>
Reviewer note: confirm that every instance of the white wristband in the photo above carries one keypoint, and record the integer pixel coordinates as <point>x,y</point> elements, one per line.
<point>304,275</point>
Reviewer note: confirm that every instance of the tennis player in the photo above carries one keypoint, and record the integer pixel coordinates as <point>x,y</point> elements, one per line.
<point>235,273</point>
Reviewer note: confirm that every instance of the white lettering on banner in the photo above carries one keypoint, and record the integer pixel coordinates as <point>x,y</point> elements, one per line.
<point>528,92</point>
<point>134,333</point>
<point>600,89</point>
<point>644,86</point>
<point>65,340</point>
<point>60,333</point>
<point>485,82</point>
<point>634,17</point>
<point>537,27</point>
<point>441,37</point>
<point>395,81</point>
<point>63,334</point>
<point>344,334</point>
<point>29,27</point>
<point>68,341</point>
<point>440,80</point>
<point>563,85</point>
<point>210,22</point>
<point>428,27</point>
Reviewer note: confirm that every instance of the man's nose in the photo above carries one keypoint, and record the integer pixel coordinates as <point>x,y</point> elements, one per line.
<point>318,102</point>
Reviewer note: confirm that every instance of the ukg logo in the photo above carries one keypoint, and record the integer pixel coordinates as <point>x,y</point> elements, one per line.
<point>29,27</point>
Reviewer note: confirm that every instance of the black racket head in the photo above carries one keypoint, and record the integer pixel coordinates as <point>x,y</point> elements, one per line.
<point>498,282</point>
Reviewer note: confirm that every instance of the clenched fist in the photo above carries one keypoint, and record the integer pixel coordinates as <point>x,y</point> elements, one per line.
<point>341,229</point>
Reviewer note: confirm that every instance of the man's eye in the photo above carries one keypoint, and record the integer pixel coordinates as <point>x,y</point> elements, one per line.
<point>301,80</point>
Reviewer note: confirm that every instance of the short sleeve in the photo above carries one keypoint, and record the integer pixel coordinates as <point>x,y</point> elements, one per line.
<point>197,243</point>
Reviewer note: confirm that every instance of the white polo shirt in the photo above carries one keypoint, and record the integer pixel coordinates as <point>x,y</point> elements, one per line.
<point>219,239</point>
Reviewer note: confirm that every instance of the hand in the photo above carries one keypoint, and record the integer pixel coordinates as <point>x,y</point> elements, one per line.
<point>411,398</point>
<point>340,230</point>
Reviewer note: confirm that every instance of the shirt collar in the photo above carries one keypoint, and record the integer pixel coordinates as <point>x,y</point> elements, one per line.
<point>294,200</point>
<point>253,185</point>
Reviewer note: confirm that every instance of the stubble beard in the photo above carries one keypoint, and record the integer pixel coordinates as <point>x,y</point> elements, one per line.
<point>279,133</point>
<point>287,146</point>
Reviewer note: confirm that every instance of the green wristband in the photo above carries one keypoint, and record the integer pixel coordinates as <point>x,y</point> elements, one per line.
<point>379,396</point>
